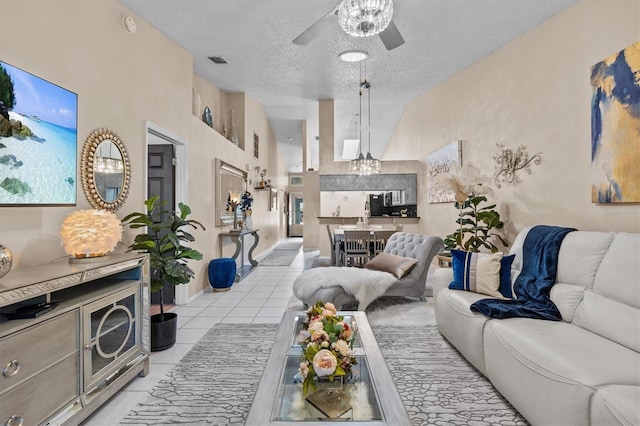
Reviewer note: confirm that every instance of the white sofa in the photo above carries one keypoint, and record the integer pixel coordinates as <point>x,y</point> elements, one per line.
<point>582,370</point>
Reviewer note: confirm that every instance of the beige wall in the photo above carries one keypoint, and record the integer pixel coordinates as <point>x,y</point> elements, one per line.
<point>122,81</point>
<point>536,92</point>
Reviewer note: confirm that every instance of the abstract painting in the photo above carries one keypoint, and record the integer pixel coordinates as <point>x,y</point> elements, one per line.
<point>615,128</point>
<point>445,160</point>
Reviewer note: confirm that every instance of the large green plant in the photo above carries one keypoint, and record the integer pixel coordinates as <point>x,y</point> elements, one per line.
<point>163,241</point>
<point>476,226</point>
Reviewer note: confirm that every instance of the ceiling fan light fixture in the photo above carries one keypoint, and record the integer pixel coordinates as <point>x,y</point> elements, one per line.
<point>353,55</point>
<point>365,18</point>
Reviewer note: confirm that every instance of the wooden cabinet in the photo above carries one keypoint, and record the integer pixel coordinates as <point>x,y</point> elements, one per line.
<point>59,367</point>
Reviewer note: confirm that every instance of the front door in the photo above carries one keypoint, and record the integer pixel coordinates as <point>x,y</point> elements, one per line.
<point>296,218</point>
<point>161,181</point>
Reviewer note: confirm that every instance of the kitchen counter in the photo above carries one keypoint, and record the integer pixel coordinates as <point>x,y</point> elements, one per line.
<point>352,220</point>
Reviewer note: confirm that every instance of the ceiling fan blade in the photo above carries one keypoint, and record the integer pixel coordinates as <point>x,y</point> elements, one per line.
<point>391,37</point>
<point>314,30</point>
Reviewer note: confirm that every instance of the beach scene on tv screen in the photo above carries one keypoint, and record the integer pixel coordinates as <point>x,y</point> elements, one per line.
<point>38,137</point>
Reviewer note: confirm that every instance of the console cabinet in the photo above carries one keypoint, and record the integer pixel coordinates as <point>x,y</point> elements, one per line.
<point>59,367</point>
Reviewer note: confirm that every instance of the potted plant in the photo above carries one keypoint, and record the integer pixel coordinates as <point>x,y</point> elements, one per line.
<point>476,222</point>
<point>163,241</point>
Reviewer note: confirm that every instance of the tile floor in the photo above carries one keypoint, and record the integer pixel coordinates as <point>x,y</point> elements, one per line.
<point>262,297</point>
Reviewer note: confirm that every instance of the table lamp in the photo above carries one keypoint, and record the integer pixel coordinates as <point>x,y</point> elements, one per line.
<point>90,235</point>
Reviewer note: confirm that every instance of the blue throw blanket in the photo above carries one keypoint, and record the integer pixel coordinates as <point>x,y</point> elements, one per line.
<point>533,286</point>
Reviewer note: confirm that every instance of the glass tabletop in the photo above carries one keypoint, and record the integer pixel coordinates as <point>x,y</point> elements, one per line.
<point>356,397</point>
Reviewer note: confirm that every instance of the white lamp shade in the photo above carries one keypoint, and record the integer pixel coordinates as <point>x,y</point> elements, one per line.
<point>90,233</point>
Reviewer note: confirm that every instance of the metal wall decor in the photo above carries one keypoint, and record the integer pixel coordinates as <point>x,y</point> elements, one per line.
<point>508,163</point>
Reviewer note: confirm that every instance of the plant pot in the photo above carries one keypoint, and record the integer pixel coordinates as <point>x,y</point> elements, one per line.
<point>163,333</point>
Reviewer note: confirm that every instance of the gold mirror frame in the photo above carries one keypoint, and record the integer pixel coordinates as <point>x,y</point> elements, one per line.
<point>87,172</point>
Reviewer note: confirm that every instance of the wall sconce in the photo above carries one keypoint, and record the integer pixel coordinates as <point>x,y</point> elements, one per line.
<point>90,234</point>
<point>507,163</point>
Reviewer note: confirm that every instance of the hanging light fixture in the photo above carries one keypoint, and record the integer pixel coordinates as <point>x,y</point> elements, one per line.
<point>365,18</point>
<point>365,165</point>
<point>108,164</point>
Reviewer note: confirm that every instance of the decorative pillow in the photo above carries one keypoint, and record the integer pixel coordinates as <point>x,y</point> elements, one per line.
<point>396,265</point>
<point>476,272</point>
<point>505,276</point>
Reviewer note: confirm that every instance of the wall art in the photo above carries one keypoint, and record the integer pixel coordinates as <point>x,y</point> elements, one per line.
<point>615,128</point>
<point>508,163</point>
<point>445,160</point>
<point>38,139</point>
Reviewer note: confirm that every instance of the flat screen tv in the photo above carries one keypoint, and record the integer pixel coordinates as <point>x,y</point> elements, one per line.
<point>38,139</point>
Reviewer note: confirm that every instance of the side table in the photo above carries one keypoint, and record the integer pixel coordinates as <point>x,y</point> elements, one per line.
<point>238,238</point>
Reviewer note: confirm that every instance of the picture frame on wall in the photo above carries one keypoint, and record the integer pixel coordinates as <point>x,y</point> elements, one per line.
<point>273,199</point>
<point>38,140</point>
<point>615,123</point>
<point>441,162</point>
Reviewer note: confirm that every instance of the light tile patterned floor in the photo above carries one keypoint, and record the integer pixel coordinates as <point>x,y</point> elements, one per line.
<point>262,297</point>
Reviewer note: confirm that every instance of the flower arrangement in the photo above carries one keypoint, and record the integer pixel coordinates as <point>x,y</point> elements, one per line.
<point>327,345</point>
<point>246,202</point>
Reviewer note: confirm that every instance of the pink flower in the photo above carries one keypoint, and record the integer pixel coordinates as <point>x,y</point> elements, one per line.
<point>319,336</point>
<point>303,335</point>
<point>316,326</point>
<point>327,313</point>
<point>324,363</point>
<point>346,331</point>
<point>342,347</point>
<point>331,307</point>
<point>304,369</point>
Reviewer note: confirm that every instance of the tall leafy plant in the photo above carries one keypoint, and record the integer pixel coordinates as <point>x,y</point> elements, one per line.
<point>476,226</point>
<point>163,240</point>
<point>477,223</point>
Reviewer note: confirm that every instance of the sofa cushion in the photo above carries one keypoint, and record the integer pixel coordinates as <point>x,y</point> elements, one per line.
<point>548,370</point>
<point>391,263</point>
<point>618,275</point>
<point>616,404</point>
<point>476,272</point>
<point>460,326</point>
<point>610,319</point>
<point>612,308</point>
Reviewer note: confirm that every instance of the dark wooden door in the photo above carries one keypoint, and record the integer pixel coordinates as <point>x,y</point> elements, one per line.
<point>161,181</point>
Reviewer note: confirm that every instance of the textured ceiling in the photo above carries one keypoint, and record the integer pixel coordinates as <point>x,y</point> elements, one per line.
<point>442,37</point>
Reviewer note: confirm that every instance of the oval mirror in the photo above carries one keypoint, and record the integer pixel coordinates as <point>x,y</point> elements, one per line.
<point>105,170</point>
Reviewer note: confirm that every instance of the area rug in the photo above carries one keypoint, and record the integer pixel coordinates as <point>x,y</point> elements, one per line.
<point>289,245</point>
<point>279,258</point>
<point>216,381</point>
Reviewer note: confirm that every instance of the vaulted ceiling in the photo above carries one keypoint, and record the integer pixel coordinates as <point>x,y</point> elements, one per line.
<point>442,37</point>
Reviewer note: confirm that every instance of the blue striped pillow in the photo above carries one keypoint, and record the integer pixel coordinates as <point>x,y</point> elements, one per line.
<point>477,272</point>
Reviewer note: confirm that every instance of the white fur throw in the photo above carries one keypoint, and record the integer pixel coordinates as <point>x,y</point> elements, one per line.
<point>365,285</point>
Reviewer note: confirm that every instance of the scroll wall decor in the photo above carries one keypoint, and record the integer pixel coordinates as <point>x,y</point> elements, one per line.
<point>508,163</point>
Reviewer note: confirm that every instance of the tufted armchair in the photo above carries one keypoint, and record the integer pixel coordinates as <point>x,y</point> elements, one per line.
<point>423,248</point>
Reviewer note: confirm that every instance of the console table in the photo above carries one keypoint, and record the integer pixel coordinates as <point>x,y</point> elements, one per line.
<point>238,238</point>
<point>59,367</point>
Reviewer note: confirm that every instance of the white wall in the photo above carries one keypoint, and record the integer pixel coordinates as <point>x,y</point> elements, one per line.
<point>536,92</point>
<point>123,80</point>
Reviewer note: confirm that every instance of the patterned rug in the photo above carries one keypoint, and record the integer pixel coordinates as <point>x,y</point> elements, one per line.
<point>216,380</point>
<point>279,258</point>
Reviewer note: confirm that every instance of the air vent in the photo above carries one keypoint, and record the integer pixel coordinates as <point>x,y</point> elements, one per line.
<point>218,60</point>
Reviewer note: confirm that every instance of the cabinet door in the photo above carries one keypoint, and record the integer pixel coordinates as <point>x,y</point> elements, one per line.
<point>112,331</point>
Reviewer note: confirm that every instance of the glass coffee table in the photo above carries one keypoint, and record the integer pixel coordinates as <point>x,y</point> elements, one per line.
<point>368,397</point>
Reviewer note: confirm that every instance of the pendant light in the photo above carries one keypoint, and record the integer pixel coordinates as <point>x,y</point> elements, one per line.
<point>365,165</point>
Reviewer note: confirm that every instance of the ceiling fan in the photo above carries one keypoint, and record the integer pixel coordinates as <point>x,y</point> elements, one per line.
<point>359,18</point>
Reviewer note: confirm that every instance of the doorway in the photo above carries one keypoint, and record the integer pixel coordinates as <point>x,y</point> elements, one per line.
<point>296,217</point>
<point>166,176</point>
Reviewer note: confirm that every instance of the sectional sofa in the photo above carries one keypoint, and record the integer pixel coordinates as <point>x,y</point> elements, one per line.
<point>584,369</point>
